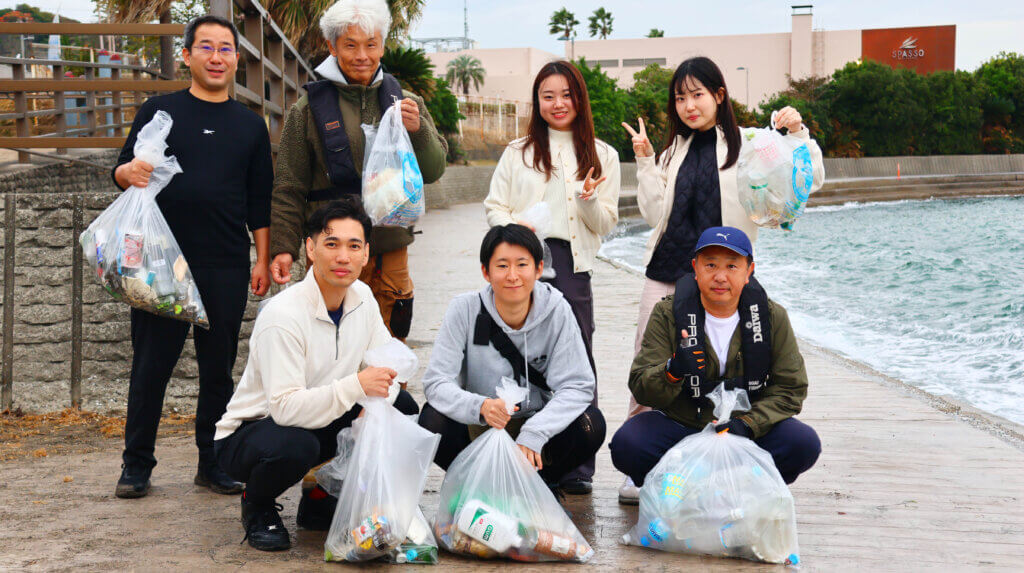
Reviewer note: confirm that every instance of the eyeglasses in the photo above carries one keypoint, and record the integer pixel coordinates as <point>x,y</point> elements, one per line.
<point>209,51</point>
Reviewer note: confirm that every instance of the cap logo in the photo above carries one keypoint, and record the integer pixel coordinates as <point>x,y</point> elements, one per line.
<point>724,236</point>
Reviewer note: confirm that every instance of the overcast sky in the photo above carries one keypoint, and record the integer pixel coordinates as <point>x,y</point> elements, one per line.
<point>984,27</point>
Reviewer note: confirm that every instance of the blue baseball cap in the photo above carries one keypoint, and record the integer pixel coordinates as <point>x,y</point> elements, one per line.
<point>729,237</point>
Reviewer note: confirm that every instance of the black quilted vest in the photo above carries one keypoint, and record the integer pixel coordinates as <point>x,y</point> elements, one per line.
<point>697,206</point>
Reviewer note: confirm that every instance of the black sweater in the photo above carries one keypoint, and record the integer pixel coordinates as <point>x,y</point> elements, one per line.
<point>696,206</point>
<point>226,180</point>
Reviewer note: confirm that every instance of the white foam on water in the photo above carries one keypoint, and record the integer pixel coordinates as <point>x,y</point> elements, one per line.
<point>929,292</point>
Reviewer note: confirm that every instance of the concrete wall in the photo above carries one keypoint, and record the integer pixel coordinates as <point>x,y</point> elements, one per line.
<point>840,168</point>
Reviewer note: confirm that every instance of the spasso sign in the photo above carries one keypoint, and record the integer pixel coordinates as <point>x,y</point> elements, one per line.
<point>927,49</point>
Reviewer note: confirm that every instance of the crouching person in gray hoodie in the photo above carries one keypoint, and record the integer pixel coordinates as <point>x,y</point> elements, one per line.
<point>519,328</point>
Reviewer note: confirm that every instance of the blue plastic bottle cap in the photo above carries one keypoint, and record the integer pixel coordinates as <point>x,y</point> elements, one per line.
<point>793,559</point>
<point>645,541</point>
<point>411,554</point>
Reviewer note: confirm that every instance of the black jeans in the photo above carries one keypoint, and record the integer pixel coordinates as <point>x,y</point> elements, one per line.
<point>566,450</point>
<point>157,343</point>
<point>271,458</point>
<point>576,289</point>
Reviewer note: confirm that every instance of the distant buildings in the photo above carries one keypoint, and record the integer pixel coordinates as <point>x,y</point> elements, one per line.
<point>763,60</point>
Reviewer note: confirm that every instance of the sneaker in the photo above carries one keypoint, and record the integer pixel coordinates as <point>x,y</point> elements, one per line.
<point>316,509</point>
<point>577,486</point>
<point>264,529</point>
<point>134,482</point>
<point>629,494</point>
<point>217,480</point>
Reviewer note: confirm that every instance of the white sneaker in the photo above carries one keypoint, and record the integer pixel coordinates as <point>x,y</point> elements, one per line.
<point>629,494</point>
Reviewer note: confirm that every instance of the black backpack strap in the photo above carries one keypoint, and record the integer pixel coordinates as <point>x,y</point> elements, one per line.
<point>487,332</point>
<point>388,92</point>
<point>323,103</point>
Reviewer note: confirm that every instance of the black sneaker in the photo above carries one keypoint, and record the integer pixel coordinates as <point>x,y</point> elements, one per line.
<point>577,487</point>
<point>316,509</point>
<point>134,482</point>
<point>217,480</point>
<point>264,529</point>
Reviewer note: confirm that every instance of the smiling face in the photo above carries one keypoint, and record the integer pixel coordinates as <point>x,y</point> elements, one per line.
<point>358,54</point>
<point>721,275</point>
<point>339,253</point>
<point>212,58</point>
<point>696,105</point>
<point>512,272</point>
<point>556,105</point>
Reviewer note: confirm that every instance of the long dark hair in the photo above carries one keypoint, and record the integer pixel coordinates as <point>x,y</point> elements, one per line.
<point>706,72</point>
<point>583,138</point>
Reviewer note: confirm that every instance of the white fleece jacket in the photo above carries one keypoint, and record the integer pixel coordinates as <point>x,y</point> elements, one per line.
<point>656,186</point>
<point>302,368</point>
<point>516,186</point>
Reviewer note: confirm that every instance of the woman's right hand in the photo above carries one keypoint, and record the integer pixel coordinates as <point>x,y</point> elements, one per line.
<point>641,145</point>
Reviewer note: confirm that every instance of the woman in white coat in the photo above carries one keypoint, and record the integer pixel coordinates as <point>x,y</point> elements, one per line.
<point>562,164</point>
<point>692,185</point>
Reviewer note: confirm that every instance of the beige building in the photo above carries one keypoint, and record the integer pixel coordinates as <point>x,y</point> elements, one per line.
<point>765,58</point>
<point>756,66</point>
<point>510,71</point>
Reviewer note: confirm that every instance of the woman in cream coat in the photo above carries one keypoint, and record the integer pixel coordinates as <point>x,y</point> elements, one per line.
<point>562,164</point>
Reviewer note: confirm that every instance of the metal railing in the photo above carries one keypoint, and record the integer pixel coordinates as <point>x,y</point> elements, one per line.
<point>270,77</point>
<point>269,80</point>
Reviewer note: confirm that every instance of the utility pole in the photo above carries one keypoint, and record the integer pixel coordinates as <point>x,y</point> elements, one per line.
<point>747,70</point>
<point>465,25</point>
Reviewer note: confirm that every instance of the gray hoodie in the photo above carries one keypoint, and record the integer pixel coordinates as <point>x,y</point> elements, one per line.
<point>461,375</point>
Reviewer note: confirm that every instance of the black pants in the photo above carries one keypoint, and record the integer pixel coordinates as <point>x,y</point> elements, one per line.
<point>271,458</point>
<point>157,343</point>
<point>576,289</point>
<point>563,452</point>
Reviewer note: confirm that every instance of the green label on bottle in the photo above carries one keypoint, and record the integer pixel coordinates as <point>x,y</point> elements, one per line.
<point>488,532</point>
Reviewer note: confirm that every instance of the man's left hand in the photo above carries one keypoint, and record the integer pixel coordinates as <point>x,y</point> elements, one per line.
<point>260,278</point>
<point>532,456</point>
<point>410,115</point>
<point>737,428</point>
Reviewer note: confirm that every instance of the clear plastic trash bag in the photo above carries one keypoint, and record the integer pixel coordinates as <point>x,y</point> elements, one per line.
<point>392,182</point>
<point>775,177</point>
<point>131,247</point>
<point>511,393</point>
<point>394,355</point>
<point>380,493</point>
<point>331,475</point>
<point>493,503</point>
<point>718,494</point>
<point>419,547</point>
<point>539,216</point>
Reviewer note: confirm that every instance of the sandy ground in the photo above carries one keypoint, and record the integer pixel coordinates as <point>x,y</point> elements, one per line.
<point>906,482</point>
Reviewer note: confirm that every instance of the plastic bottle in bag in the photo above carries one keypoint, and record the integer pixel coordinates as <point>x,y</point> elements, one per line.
<point>487,525</point>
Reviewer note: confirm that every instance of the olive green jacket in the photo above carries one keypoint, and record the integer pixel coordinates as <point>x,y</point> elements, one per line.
<point>781,399</point>
<point>301,166</point>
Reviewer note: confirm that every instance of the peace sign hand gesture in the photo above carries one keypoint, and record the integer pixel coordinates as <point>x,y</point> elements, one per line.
<point>589,185</point>
<point>641,145</point>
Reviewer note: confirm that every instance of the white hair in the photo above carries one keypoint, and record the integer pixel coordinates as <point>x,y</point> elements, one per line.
<point>371,16</point>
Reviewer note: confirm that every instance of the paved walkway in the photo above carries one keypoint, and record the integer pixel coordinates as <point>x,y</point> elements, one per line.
<point>900,484</point>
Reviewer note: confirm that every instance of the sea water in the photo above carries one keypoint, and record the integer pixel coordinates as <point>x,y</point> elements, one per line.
<point>928,292</point>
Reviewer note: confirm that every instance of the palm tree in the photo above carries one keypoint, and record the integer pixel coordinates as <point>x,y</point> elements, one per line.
<point>601,23</point>
<point>463,70</point>
<point>656,33</point>
<point>563,22</point>
<point>412,68</point>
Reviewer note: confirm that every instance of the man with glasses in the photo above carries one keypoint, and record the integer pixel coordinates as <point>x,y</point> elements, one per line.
<point>224,187</point>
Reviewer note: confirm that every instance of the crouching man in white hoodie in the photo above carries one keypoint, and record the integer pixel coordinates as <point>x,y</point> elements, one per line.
<point>303,378</point>
<point>518,328</point>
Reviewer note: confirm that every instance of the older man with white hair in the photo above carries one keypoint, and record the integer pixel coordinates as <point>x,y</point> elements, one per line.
<point>321,150</point>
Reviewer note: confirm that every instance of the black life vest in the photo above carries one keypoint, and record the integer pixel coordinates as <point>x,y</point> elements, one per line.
<point>755,331</point>
<point>487,331</point>
<point>323,103</point>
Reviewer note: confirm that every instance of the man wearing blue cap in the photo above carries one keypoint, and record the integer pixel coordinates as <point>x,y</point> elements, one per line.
<point>719,326</point>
